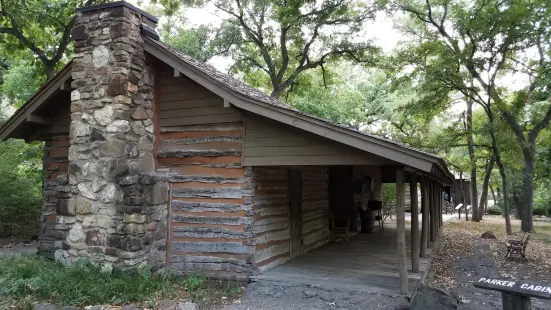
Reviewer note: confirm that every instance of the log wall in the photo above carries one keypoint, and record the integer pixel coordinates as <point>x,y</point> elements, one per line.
<point>210,214</point>
<point>271,213</point>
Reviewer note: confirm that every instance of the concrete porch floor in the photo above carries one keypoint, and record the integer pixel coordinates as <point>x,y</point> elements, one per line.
<point>367,264</point>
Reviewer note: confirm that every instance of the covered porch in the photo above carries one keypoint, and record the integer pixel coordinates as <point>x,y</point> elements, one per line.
<point>390,261</point>
<point>367,264</point>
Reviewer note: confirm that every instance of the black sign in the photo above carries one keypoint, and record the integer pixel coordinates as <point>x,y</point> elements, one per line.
<point>516,287</point>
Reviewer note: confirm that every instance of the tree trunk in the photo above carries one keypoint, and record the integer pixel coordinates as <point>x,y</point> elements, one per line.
<point>493,193</point>
<point>497,155</point>
<point>484,194</point>
<point>50,71</point>
<point>465,190</point>
<point>527,219</point>
<point>473,190</point>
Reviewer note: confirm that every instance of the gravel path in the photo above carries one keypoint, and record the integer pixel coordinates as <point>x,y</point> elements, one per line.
<point>19,249</point>
<point>267,295</point>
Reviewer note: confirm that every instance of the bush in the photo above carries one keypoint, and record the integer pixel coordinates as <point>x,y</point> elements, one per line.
<point>494,210</point>
<point>540,210</point>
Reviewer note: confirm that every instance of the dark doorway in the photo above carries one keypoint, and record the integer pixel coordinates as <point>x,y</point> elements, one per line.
<point>295,212</point>
<point>341,190</point>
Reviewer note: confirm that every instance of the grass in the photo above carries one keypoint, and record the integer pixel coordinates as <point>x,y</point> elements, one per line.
<point>30,279</point>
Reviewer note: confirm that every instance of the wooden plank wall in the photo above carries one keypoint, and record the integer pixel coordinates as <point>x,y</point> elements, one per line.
<point>269,143</point>
<point>210,212</point>
<point>271,213</point>
<point>315,207</point>
<point>183,102</point>
<point>56,167</point>
<point>62,123</point>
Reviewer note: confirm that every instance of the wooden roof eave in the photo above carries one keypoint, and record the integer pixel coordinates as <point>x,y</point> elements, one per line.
<point>392,151</point>
<point>24,114</point>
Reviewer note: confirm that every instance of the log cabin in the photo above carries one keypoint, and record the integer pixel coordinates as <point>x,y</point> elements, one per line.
<point>153,158</point>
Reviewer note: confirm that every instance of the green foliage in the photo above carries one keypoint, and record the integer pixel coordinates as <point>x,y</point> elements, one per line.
<point>20,82</point>
<point>494,210</point>
<point>389,198</point>
<point>40,279</point>
<point>40,27</point>
<point>194,283</point>
<point>540,210</point>
<point>274,42</point>
<point>20,190</point>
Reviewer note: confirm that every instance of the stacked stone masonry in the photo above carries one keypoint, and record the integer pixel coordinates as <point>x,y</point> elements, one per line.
<point>118,207</point>
<point>56,215</point>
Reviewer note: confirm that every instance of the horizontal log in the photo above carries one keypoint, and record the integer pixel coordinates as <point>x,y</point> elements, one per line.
<point>218,192</point>
<point>200,170</point>
<point>179,205</point>
<point>318,236</point>
<point>270,252</point>
<point>217,220</point>
<point>272,236</point>
<point>259,229</point>
<point>181,178</point>
<point>209,259</point>
<point>270,211</point>
<point>179,153</point>
<point>212,247</point>
<point>271,220</point>
<point>209,232</point>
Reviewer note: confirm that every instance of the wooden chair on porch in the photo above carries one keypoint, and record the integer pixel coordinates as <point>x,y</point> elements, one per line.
<point>340,225</point>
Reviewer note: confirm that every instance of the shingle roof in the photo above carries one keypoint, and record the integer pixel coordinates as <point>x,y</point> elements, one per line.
<point>255,94</point>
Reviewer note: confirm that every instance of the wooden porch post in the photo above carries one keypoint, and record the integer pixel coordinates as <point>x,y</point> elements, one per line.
<point>432,211</point>
<point>414,222</point>
<point>424,217</point>
<point>441,205</point>
<point>401,231</point>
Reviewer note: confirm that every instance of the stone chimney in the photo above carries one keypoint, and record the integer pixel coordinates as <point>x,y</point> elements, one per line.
<point>118,203</point>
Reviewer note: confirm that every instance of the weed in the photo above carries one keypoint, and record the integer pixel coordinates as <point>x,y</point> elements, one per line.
<point>38,279</point>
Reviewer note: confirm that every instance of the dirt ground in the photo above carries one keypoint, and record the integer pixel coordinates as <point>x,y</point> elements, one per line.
<point>464,257</point>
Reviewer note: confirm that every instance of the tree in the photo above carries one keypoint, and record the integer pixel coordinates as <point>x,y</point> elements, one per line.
<point>349,94</point>
<point>483,41</point>
<point>274,42</point>
<point>43,27</point>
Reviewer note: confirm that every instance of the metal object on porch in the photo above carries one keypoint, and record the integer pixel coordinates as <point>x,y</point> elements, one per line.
<point>518,246</point>
<point>377,207</point>
<point>340,225</point>
<point>515,295</point>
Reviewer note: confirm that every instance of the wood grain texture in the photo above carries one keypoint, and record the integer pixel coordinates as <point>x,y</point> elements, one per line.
<point>211,221</point>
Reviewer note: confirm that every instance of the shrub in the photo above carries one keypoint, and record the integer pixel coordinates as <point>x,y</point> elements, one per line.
<point>20,188</point>
<point>494,210</point>
<point>540,210</point>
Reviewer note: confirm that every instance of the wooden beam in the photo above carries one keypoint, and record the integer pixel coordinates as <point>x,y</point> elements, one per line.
<point>424,217</point>
<point>66,87</point>
<point>432,211</point>
<point>414,222</point>
<point>177,73</point>
<point>227,103</point>
<point>37,119</point>
<point>401,231</point>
